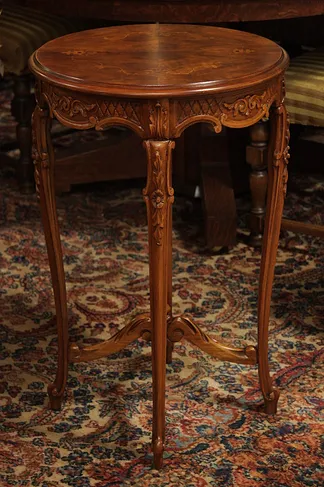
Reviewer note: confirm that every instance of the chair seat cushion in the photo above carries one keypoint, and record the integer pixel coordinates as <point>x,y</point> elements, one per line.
<point>305,89</point>
<point>22,30</point>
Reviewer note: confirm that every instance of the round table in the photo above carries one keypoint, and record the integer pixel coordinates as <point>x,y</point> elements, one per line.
<point>157,80</point>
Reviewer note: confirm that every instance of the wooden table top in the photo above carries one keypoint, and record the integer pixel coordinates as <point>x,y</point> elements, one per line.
<point>158,60</point>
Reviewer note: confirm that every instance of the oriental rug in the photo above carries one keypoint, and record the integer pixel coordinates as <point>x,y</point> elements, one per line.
<point>216,435</point>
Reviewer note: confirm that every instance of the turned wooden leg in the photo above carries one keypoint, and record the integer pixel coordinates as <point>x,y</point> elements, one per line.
<point>22,107</point>
<point>44,178</point>
<point>256,156</point>
<point>278,175</point>
<point>158,195</point>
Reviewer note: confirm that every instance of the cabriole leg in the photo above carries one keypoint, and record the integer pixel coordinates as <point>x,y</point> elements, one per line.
<point>277,177</point>
<point>158,196</point>
<point>170,345</point>
<point>44,177</point>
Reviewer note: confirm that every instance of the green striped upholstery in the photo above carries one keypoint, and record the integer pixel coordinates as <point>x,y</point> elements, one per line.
<point>22,30</point>
<point>305,89</point>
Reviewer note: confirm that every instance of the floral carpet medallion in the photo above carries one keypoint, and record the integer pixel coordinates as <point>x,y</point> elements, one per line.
<point>216,434</point>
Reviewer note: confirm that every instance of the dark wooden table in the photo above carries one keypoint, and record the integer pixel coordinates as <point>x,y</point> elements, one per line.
<point>187,11</point>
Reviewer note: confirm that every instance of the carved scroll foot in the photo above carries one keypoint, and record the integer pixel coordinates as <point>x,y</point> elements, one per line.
<point>183,327</point>
<point>140,326</point>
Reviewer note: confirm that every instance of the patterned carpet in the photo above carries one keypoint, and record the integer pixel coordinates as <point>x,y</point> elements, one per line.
<point>215,434</point>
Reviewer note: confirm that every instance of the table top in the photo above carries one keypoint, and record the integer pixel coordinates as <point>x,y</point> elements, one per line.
<point>158,60</point>
<point>187,11</point>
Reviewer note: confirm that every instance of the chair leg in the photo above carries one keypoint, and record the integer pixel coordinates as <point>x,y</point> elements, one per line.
<point>158,195</point>
<point>278,175</point>
<point>256,157</point>
<point>44,179</point>
<point>22,107</point>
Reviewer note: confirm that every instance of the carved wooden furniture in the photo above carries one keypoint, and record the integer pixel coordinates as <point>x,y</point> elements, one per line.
<point>305,103</point>
<point>186,11</point>
<point>219,231</point>
<point>157,80</point>
<point>23,30</point>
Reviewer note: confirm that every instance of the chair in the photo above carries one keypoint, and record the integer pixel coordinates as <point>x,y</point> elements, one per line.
<point>305,105</point>
<point>22,30</point>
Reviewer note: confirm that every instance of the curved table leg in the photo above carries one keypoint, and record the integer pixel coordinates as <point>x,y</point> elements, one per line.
<point>278,175</point>
<point>44,178</point>
<point>170,344</point>
<point>158,196</point>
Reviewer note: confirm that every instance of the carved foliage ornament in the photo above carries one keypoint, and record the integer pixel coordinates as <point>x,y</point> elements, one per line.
<point>158,198</point>
<point>158,120</point>
<point>281,154</point>
<point>158,191</point>
<point>246,106</point>
<point>91,113</point>
<point>238,113</point>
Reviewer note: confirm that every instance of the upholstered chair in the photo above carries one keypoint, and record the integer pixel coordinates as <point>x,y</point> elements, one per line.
<point>305,104</point>
<point>22,30</point>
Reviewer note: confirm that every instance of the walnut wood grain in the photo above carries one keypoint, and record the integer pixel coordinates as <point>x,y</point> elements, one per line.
<point>158,81</point>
